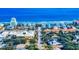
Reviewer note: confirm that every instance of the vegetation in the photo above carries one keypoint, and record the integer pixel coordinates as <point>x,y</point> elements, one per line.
<point>65,38</point>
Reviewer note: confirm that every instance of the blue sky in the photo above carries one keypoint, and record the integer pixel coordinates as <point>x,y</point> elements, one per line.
<point>39,14</point>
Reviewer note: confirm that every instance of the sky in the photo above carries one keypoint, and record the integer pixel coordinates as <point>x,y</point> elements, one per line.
<point>39,14</point>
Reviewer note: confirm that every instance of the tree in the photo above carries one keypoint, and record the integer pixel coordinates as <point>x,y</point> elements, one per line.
<point>9,46</point>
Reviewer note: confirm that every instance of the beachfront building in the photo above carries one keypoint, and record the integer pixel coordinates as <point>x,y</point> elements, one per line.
<point>13,22</point>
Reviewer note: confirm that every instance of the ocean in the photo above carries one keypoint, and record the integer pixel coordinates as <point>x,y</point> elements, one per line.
<point>39,14</point>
